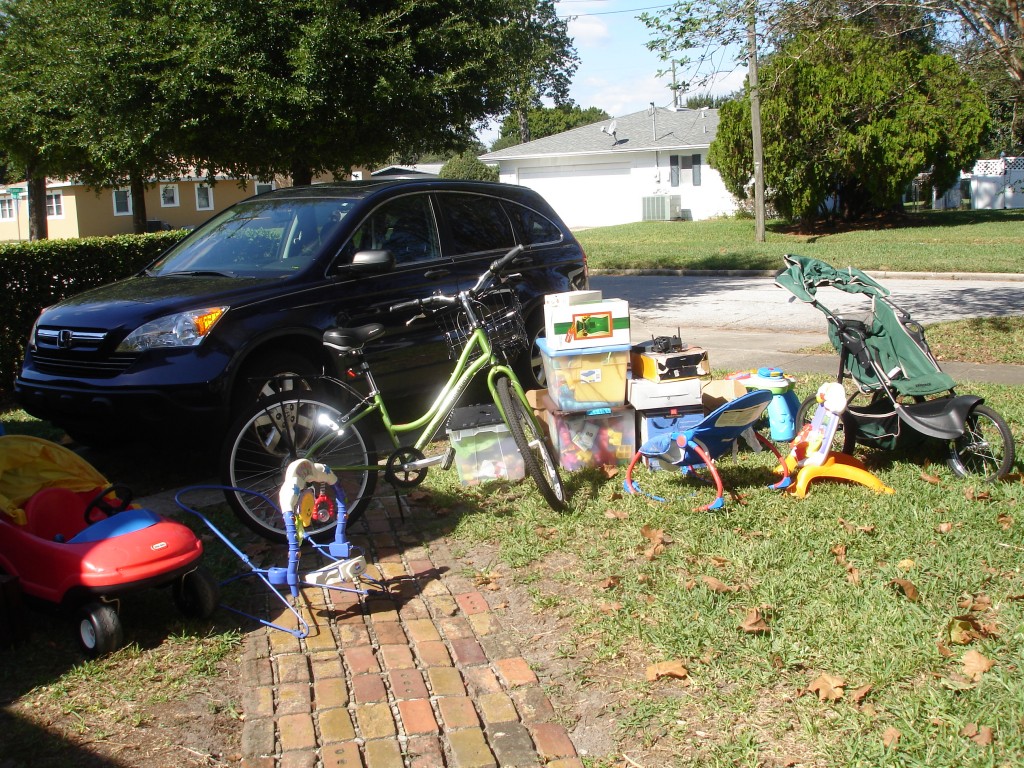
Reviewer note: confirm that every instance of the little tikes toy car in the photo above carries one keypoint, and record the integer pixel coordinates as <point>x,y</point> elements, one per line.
<point>74,540</point>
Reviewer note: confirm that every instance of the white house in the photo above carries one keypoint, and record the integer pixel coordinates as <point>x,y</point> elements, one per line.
<point>650,165</point>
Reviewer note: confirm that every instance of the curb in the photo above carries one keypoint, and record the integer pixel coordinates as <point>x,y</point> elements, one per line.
<point>428,680</point>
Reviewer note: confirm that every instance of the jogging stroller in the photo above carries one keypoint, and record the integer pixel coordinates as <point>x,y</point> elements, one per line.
<point>909,397</point>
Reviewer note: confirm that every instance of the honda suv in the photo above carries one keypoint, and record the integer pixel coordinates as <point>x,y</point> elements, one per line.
<point>248,295</point>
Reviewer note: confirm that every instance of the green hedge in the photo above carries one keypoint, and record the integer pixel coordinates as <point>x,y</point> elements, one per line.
<point>43,272</point>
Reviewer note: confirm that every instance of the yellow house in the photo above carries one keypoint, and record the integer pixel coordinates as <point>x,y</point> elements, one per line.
<point>75,210</point>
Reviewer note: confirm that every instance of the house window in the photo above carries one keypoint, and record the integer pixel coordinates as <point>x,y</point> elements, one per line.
<point>264,186</point>
<point>6,208</point>
<point>204,197</point>
<point>169,196</point>
<point>679,164</point>
<point>122,202</point>
<point>55,205</point>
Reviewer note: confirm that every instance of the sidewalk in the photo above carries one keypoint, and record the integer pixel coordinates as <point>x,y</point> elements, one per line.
<point>428,680</point>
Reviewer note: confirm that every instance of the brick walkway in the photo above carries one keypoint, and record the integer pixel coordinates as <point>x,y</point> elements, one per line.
<point>428,680</point>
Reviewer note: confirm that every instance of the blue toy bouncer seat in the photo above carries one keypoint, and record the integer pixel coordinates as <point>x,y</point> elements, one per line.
<point>700,445</point>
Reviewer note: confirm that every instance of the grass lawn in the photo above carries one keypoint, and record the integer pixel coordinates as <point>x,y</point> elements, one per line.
<point>940,241</point>
<point>846,629</point>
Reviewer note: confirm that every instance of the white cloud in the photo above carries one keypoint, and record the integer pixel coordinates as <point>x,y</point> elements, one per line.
<point>588,31</point>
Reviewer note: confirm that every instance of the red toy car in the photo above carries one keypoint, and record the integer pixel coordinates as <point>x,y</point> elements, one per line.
<point>73,539</point>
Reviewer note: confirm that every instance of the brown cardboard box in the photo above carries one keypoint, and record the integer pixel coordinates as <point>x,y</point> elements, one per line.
<point>717,393</point>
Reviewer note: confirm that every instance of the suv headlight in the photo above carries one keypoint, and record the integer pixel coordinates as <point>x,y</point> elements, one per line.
<point>184,329</point>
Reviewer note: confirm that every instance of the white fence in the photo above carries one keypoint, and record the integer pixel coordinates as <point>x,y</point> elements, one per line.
<point>998,183</point>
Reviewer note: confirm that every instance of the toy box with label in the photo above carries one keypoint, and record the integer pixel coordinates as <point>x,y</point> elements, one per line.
<point>647,395</point>
<point>595,322</point>
<point>656,360</point>
<point>653,423</point>
<point>603,436</point>
<point>484,448</point>
<point>584,379</point>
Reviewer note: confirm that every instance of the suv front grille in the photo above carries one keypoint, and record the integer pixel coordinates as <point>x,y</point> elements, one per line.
<point>76,353</point>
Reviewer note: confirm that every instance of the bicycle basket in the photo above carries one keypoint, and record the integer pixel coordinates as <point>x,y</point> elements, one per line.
<point>502,315</point>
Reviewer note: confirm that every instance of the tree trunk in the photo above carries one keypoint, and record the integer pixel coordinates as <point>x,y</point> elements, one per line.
<point>524,126</point>
<point>37,225</point>
<point>138,192</point>
<point>302,175</point>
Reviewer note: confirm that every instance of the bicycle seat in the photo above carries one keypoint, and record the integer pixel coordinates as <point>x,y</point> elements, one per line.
<point>352,339</point>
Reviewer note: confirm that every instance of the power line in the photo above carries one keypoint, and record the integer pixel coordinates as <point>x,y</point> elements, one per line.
<point>609,13</point>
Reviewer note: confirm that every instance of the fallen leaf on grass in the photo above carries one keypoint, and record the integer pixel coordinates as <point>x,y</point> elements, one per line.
<point>616,514</point>
<point>609,607</point>
<point>718,561</point>
<point>828,687</point>
<point>891,737</point>
<point>610,470</point>
<point>975,602</point>
<point>906,564</point>
<point>718,586</point>
<point>979,734</point>
<point>934,480</point>
<point>674,669</point>
<point>610,583</point>
<point>545,533</point>
<point>907,588</point>
<point>975,665</point>
<point>658,538</point>
<point>858,694</point>
<point>943,527</point>
<point>944,650</point>
<point>754,622</point>
<point>1005,521</point>
<point>974,495</point>
<point>851,528</point>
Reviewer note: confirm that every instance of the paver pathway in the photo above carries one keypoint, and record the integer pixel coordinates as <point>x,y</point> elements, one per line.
<point>430,679</point>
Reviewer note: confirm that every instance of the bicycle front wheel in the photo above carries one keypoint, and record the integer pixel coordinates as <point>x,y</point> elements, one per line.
<point>538,455</point>
<point>985,448</point>
<point>275,431</point>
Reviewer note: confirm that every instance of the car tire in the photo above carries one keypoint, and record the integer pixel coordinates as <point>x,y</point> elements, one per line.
<point>254,381</point>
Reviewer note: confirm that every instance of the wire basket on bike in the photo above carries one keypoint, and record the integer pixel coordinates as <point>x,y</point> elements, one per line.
<point>502,316</point>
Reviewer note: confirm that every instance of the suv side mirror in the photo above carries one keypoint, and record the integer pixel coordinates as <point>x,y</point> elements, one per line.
<point>372,262</point>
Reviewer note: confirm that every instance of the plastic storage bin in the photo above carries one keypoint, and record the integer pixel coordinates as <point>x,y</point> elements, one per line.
<point>484,448</point>
<point>604,436</point>
<point>585,379</point>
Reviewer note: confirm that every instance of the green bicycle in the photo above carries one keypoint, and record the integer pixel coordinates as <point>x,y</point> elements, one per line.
<point>324,421</point>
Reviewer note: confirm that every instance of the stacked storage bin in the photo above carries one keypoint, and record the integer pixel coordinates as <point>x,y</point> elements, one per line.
<point>666,387</point>
<point>586,364</point>
<point>484,448</point>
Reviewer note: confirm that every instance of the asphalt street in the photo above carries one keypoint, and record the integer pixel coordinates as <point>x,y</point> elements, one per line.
<point>747,322</point>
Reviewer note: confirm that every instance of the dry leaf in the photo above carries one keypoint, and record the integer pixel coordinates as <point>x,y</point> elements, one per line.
<point>975,602</point>
<point>718,586</point>
<point>1005,522</point>
<point>615,514</point>
<point>857,696</point>
<point>891,737</point>
<point>754,622</point>
<point>610,583</point>
<point>652,552</point>
<point>610,470</point>
<point>906,564</point>
<point>930,478</point>
<point>975,665</point>
<point>944,650</point>
<point>979,734</point>
<point>943,527</point>
<point>839,550</point>
<point>972,495</point>
<point>673,669</point>
<point>907,589</point>
<point>828,687</point>
<point>719,562</point>
<point>852,575</point>
<point>613,607</point>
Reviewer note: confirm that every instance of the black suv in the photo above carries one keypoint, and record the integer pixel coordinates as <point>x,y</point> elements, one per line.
<point>249,294</point>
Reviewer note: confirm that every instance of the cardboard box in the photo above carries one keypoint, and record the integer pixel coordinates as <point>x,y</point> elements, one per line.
<point>604,436</point>
<point>587,324</point>
<point>584,379</point>
<point>646,395</point>
<point>715,394</point>
<point>484,447</point>
<point>686,364</point>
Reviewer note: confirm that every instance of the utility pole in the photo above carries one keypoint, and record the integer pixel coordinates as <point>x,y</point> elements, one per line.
<point>755,127</point>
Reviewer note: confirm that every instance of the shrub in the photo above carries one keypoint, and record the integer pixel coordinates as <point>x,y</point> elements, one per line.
<point>468,166</point>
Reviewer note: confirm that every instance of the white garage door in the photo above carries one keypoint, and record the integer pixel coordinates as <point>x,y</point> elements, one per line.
<point>586,195</point>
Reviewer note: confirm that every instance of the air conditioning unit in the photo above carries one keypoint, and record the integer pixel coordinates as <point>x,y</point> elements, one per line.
<point>661,207</point>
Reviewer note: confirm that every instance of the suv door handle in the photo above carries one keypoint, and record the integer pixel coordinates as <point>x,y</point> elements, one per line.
<point>434,274</point>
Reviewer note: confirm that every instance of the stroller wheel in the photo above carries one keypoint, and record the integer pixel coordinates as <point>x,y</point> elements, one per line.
<point>986,447</point>
<point>99,629</point>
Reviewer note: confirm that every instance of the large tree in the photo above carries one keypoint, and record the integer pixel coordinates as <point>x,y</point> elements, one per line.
<point>145,88</point>
<point>849,121</point>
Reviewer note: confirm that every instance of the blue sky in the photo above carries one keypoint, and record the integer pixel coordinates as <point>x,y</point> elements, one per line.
<point>617,73</point>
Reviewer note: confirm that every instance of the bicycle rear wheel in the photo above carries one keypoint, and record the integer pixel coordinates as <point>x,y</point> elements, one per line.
<point>985,448</point>
<point>538,455</point>
<point>275,431</point>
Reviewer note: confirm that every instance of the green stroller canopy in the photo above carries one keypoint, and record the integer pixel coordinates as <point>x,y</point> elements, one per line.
<point>803,276</point>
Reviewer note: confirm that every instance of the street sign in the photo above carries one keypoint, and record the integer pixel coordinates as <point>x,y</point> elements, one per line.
<point>16,192</point>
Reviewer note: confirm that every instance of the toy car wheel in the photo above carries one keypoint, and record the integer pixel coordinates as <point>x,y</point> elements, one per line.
<point>196,594</point>
<point>99,629</point>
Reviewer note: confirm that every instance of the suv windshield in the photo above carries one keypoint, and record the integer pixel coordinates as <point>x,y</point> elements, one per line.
<point>258,238</point>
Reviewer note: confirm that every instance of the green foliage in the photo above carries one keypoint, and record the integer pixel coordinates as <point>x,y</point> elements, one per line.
<point>41,273</point>
<point>851,119</point>
<point>547,121</point>
<point>468,166</point>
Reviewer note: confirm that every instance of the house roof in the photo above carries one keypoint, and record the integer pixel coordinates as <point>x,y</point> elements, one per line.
<point>640,131</point>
